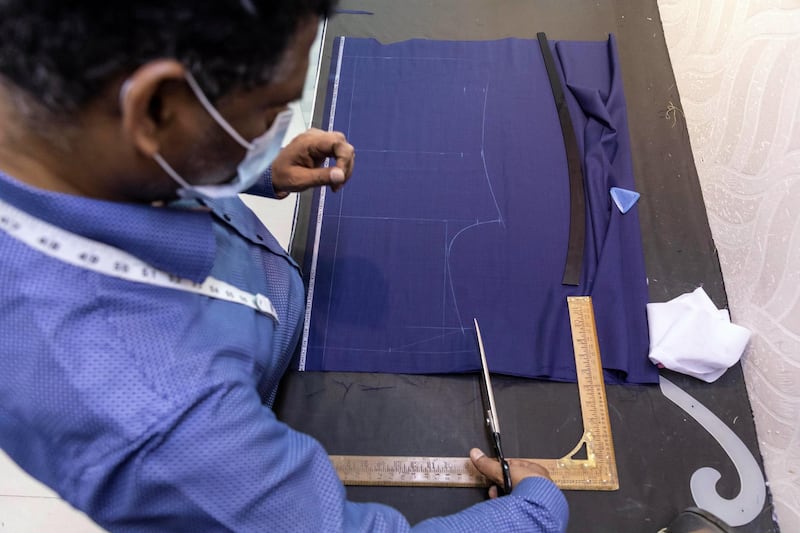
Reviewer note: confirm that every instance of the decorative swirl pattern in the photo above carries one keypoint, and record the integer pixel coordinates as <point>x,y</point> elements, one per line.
<point>737,66</point>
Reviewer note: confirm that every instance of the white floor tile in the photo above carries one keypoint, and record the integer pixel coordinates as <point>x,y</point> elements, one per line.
<point>16,482</point>
<point>23,514</point>
<point>276,215</point>
<point>26,505</point>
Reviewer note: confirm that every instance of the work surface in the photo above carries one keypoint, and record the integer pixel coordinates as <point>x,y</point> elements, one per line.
<point>658,446</point>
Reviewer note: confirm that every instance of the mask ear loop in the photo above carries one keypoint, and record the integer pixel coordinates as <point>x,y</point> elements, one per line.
<point>166,167</point>
<point>209,107</point>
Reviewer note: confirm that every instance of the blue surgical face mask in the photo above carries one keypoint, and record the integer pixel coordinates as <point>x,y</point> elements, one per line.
<point>261,151</point>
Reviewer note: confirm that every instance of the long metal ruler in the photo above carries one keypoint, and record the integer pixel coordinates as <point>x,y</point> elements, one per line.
<point>595,470</point>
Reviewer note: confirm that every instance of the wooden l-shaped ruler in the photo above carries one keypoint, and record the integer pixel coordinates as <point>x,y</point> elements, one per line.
<point>597,471</point>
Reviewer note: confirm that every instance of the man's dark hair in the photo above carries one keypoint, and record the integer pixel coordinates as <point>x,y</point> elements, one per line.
<point>63,52</point>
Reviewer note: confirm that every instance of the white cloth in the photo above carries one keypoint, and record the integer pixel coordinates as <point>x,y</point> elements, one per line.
<point>688,334</point>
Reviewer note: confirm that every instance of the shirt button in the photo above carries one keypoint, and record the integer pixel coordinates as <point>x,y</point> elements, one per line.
<point>227,217</point>
<point>259,237</point>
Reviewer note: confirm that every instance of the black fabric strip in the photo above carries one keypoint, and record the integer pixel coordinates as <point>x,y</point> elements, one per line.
<point>577,200</point>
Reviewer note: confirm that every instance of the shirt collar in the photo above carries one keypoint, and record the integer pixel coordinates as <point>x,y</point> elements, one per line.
<point>175,240</point>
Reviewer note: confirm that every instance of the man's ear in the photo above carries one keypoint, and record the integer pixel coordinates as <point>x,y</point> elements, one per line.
<point>142,105</point>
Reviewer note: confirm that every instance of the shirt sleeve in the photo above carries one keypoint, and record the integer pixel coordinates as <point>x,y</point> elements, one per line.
<point>226,463</point>
<point>536,505</point>
<point>264,187</point>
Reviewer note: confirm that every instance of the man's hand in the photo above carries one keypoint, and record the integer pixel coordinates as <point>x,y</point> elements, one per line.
<point>520,469</point>
<point>299,165</point>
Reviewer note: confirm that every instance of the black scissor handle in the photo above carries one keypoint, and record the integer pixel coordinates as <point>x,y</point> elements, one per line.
<point>498,448</point>
<point>506,476</point>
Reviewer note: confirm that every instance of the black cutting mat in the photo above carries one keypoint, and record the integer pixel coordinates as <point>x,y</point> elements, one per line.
<point>658,447</point>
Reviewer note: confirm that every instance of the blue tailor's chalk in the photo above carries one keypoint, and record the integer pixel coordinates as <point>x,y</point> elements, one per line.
<point>624,199</point>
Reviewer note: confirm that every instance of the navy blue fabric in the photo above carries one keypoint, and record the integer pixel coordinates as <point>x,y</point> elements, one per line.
<point>149,408</point>
<point>459,208</point>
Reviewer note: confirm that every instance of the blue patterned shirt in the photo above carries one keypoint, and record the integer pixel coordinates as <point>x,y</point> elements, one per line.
<point>149,408</point>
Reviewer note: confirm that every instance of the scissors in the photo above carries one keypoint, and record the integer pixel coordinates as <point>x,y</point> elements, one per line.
<point>491,414</point>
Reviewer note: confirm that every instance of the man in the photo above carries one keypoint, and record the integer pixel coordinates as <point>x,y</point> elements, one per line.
<point>146,316</point>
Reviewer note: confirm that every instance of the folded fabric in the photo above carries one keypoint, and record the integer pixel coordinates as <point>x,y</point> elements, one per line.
<point>688,334</point>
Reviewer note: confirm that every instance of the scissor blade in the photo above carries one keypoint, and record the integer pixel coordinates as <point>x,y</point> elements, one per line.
<point>493,422</point>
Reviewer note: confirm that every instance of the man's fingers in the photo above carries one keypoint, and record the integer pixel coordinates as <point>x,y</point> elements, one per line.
<point>530,468</point>
<point>486,465</point>
<point>337,176</point>
<point>299,165</point>
<point>520,468</point>
<point>301,178</point>
<point>324,143</point>
<point>332,144</point>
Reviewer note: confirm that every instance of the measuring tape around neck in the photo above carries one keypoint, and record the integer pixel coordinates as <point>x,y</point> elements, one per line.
<point>107,260</point>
